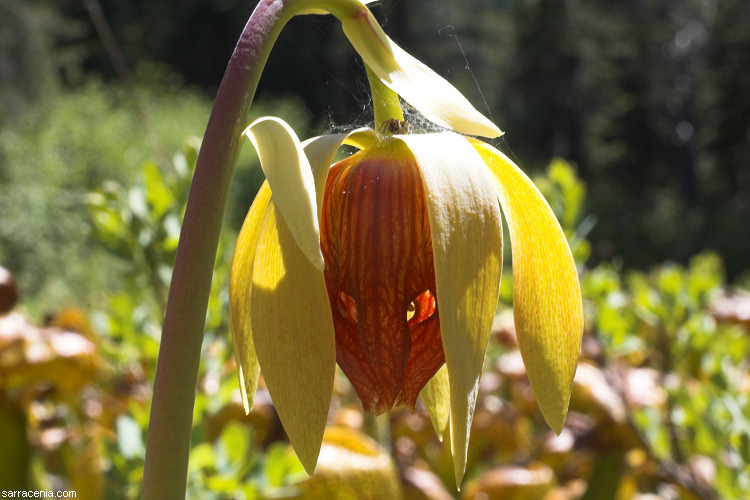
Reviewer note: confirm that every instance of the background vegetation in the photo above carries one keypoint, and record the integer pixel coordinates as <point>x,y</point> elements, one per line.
<point>634,115</point>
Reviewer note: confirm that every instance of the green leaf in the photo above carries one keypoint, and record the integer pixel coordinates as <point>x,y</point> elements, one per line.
<point>235,443</point>
<point>280,465</point>
<point>129,437</point>
<point>158,194</point>
<point>202,456</point>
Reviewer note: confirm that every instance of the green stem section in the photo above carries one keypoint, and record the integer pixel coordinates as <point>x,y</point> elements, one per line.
<point>385,102</point>
<point>168,443</point>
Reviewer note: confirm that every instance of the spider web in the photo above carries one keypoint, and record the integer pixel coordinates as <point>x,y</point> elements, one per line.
<point>352,81</point>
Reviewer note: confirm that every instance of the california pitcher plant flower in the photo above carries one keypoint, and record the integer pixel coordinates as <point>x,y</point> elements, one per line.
<point>389,261</point>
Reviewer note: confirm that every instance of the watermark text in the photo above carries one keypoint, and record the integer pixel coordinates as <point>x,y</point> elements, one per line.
<point>37,494</point>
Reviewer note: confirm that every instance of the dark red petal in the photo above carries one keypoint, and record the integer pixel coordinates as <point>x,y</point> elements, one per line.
<point>375,237</point>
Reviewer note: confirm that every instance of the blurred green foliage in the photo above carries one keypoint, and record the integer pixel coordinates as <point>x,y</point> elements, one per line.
<point>60,149</point>
<point>71,143</point>
<point>663,320</point>
<point>566,194</point>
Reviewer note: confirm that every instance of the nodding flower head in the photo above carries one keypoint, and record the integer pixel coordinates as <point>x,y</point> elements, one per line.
<point>388,262</point>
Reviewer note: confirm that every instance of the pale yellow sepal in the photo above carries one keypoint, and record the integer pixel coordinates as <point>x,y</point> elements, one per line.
<point>320,152</point>
<point>291,180</point>
<point>240,287</point>
<point>293,334</point>
<point>436,397</point>
<point>438,100</point>
<point>466,229</point>
<point>547,305</point>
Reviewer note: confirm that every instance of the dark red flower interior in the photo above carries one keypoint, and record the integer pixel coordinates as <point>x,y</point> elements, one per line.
<point>375,237</point>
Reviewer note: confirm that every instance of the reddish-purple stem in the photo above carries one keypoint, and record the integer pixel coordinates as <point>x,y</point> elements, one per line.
<point>168,443</point>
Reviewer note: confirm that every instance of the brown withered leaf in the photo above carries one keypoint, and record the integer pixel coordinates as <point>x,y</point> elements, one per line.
<point>8,291</point>
<point>420,484</point>
<point>51,357</point>
<point>732,308</point>
<point>511,482</point>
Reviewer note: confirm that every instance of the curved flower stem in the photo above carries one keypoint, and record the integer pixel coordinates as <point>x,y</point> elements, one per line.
<point>385,102</point>
<point>168,443</point>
